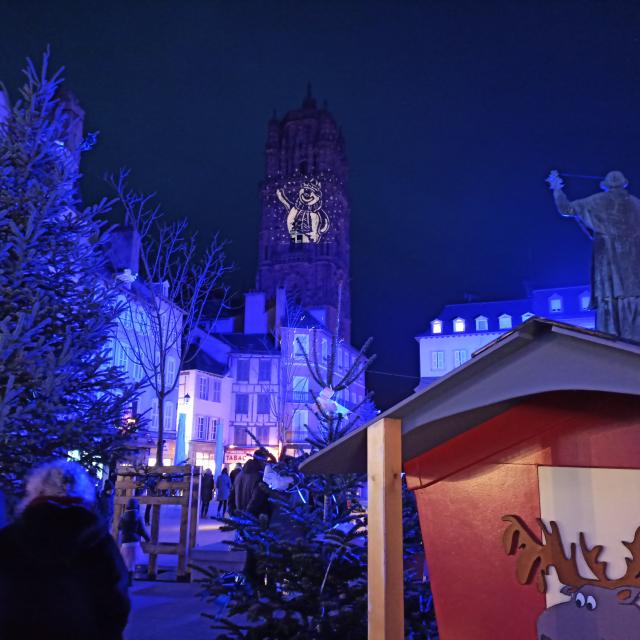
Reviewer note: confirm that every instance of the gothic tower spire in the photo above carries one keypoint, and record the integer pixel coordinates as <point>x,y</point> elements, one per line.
<point>304,231</point>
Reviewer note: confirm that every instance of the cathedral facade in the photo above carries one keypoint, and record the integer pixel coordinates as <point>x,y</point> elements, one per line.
<point>304,228</point>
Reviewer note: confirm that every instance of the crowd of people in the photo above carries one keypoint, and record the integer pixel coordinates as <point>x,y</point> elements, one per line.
<point>63,574</point>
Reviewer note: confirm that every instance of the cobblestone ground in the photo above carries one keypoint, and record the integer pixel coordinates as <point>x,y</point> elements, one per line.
<point>169,610</point>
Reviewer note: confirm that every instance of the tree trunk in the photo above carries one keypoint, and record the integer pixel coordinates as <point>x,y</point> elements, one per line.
<point>160,441</point>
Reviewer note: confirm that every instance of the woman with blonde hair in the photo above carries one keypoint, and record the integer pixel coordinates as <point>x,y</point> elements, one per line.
<point>62,576</point>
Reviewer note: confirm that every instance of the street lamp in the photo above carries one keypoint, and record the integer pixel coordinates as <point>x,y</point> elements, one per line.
<point>187,397</point>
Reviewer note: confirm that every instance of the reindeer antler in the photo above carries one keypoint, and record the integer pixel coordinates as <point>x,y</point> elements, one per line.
<point>536,557</point>
<point>632,576</point>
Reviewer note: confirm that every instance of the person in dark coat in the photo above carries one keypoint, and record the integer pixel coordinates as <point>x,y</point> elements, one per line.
<point>234,472</point>
<point>61,575</point>
<point>252,495</point>
<point>131,531</point>
<point>206,492</point>
<point>223,489</point>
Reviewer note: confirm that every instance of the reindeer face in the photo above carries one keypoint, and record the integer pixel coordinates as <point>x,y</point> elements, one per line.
<point>593,613</point>
<point>600,608</point>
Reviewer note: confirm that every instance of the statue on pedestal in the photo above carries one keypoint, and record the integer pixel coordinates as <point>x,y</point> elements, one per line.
<point>612,221</point>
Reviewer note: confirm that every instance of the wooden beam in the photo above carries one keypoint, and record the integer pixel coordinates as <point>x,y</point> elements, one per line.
<point>385,572</point>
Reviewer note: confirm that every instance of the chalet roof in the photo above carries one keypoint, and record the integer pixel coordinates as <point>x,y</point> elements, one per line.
<point>537,357</point>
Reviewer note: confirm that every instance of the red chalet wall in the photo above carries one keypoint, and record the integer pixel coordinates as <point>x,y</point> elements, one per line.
<point>465,486</point>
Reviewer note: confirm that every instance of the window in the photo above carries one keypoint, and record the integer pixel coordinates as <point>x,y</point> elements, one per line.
<point>264,371</point>
<point>437,359</point>
<point>154,414</point>
<point>206,460</point>
<point>141,323</point>
<point>120,358</point>
<point>169,412</point>
<point>460,356</point>
<point>299,426</point>
<point>325,351</point>
<point>202,423</point>
<point>215,390</point>
<point>137,372</point>
<point>243,370</point>
<point>526,316</point>
<point>203,387</point>
<point>300,389</point>
<point>263,434</point>
<point>214,426</point>
<point>585,301</point>
<point>300,345</point>
<point>436,326</point>
<point>504,321</point>
<point>301,418</point>
<point>170,371</point>
<point>458,325</point>
<point>264,404</point>
<point>242,403</point>
<point>240,436</point>
<point>482,324</point>
<point>555,303</point>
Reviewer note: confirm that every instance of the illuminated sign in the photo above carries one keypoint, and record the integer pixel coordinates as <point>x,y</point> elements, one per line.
<point>306,219</point>
<point>242,454</point>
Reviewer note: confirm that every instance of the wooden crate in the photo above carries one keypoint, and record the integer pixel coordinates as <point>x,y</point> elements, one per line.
<point>175,485</point>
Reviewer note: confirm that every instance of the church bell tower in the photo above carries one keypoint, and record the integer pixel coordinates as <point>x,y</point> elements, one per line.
<point>304,229</point>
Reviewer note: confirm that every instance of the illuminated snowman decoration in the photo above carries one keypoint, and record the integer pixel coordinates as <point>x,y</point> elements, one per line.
<point>306,220</point>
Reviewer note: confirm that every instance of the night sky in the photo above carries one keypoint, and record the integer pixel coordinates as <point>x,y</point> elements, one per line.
<point>453,114</point>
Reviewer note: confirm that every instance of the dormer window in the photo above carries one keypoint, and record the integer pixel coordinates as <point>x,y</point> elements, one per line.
<point>555,303</point>
<point>436,326</point>
<point>458,325</point>
<point>526,316</point>
<point>482,324</point>
<point>585,301</point>
<point>505,321</point>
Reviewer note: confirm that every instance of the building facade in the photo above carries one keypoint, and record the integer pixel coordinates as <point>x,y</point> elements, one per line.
<point>461,329</point>
<point>134,348</point>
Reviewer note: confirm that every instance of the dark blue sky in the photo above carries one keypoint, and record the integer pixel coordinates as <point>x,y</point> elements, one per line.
<point>453,113</point>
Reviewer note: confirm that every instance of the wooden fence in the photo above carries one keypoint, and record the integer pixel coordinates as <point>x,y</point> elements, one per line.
<point>158,486</point>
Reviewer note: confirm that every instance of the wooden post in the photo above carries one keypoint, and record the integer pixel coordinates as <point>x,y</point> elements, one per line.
<point>385,572</point>
<point>194,506</point>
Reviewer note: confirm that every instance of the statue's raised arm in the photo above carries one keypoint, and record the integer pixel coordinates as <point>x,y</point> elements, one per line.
<point>612,220</point>
<point>556,184</point>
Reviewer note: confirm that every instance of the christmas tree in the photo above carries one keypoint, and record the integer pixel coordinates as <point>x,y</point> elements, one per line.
<point>58,302</point>
<point>310,579</point>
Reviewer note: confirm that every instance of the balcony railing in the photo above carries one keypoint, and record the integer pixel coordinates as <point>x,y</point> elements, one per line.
<point>304,397</point>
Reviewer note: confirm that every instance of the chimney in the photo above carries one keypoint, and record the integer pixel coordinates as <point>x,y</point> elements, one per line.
<point>255,316</point>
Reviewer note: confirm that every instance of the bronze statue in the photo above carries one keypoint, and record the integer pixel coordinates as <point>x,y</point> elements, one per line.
<point>612,220</point>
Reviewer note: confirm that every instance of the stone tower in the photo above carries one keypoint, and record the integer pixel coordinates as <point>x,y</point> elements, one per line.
<point>304,229</point>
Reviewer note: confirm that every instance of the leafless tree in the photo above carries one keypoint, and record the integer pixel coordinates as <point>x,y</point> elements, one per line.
<point>333,424</point>
<point>176,284</point>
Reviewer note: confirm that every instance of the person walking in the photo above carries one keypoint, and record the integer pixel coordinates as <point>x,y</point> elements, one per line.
<point>61,576</point>
<point>131,530</point>
<point>206,492</point>
<point>223,489</point>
